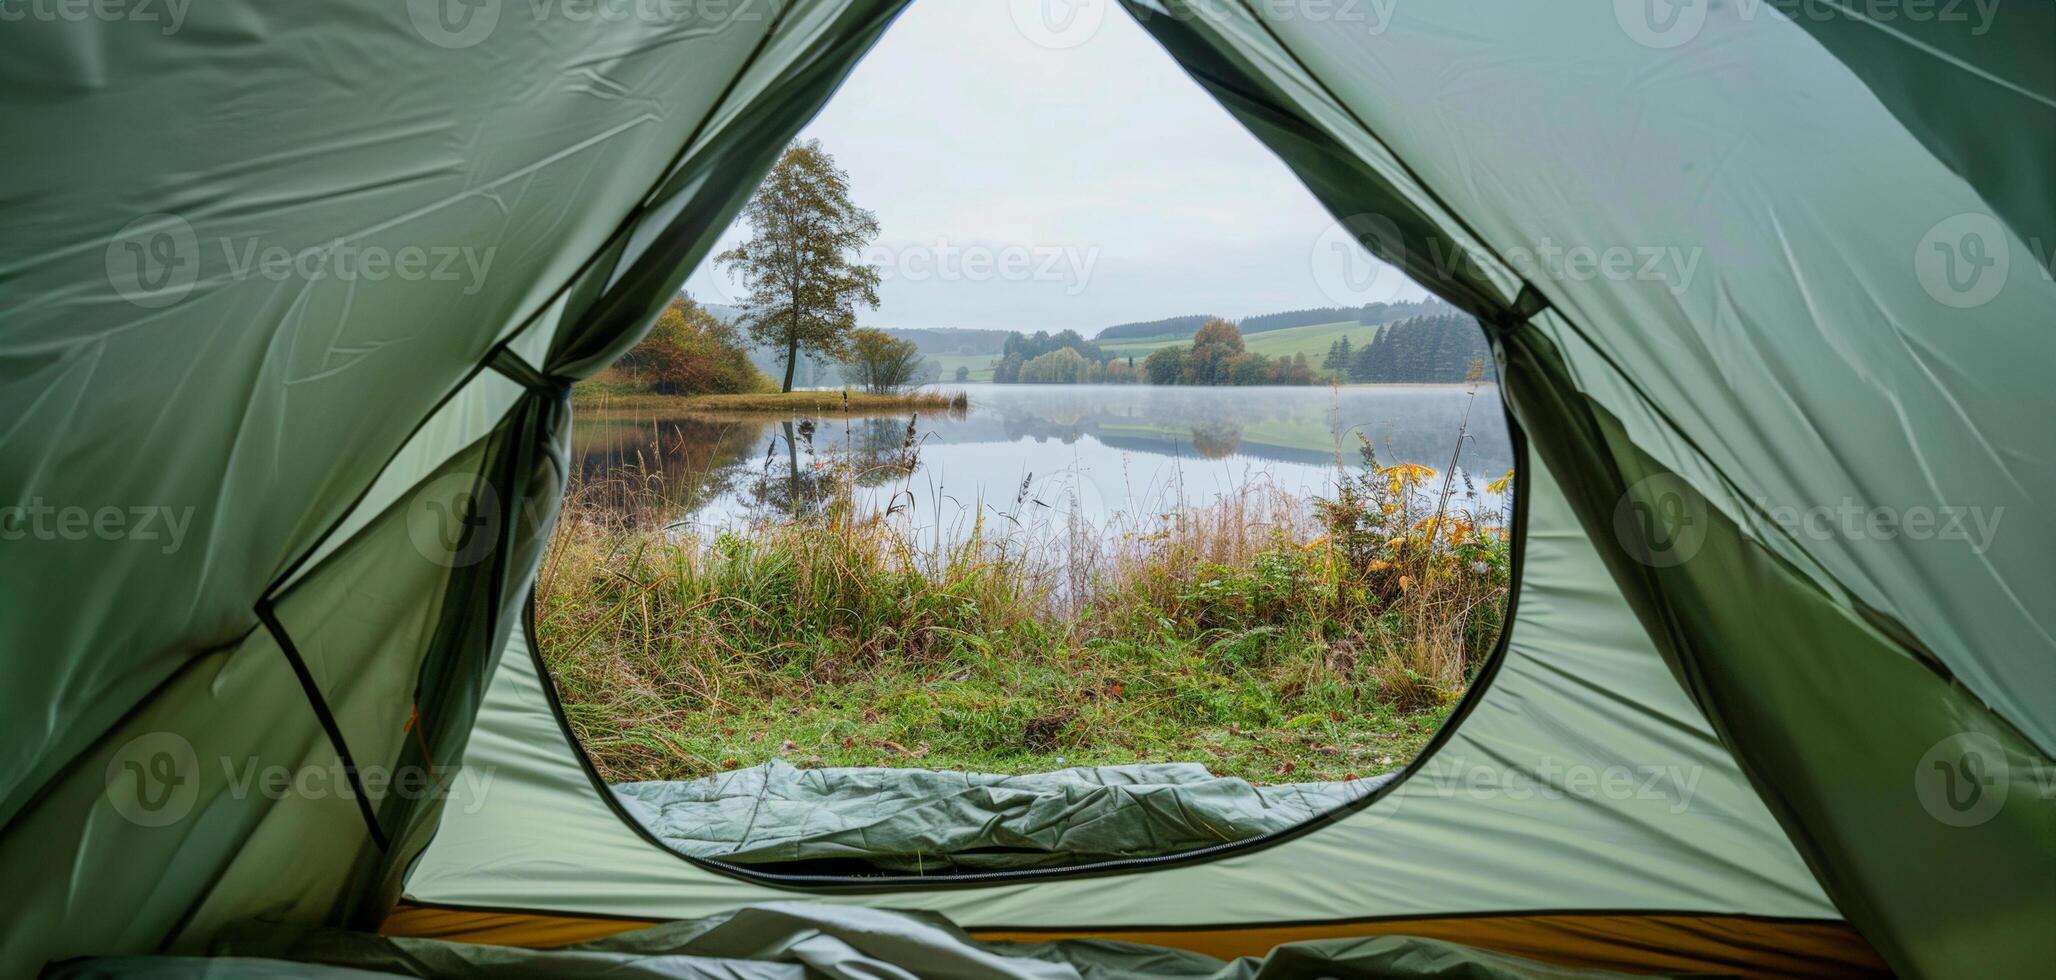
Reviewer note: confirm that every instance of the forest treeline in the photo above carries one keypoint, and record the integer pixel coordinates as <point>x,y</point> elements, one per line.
<point>1439,348</point>
<point>1444,348</point>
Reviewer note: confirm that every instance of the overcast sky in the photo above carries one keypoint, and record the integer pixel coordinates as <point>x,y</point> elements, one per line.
<point>1027,177</point>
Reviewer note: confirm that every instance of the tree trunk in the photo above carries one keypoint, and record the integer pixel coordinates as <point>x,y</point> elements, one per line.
<point>792,357</point>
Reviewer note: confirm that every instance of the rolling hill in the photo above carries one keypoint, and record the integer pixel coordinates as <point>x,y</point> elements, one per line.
<point>1282,334</point>
<point>1311,340</point>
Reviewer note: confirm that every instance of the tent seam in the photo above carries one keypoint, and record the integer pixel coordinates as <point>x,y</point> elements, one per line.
<point>325,716</point>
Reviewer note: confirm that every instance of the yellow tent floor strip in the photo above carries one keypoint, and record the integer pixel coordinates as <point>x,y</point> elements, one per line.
<point>1730,944</point>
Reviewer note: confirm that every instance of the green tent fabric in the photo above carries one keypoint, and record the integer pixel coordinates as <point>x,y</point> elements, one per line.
<point>794,941</point>
<point>1716,698</point>
<point>920,821</point>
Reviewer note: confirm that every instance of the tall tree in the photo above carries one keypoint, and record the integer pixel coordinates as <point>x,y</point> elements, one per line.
<point>1337,361</point>
<point>804,286</point>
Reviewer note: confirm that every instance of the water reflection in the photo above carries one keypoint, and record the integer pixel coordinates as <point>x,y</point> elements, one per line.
<point>1093,451</point>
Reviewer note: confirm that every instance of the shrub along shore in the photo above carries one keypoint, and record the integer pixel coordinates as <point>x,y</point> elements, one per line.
<point>1269,637</point>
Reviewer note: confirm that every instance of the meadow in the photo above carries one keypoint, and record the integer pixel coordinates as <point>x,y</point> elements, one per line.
<point>1311,340</point>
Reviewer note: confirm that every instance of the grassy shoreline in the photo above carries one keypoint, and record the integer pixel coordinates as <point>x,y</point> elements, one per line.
<point>1268,637</point>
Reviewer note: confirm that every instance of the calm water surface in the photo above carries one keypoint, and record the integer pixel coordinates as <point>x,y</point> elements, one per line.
<point>1034,455</point>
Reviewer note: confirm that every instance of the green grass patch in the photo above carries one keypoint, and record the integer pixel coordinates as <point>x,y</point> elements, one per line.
<point>980,366</point>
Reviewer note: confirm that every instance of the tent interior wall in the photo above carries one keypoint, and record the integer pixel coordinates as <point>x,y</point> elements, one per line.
<point>1805,685</point>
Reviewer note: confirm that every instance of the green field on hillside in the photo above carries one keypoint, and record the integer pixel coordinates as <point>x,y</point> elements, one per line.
<point>980,365</point>
<point>1311,340</point>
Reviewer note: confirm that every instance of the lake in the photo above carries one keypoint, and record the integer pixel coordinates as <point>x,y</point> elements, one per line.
<point>1045,455</point>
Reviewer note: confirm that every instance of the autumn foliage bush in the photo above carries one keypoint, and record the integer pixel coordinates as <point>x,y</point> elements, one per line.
<point>690,352</point>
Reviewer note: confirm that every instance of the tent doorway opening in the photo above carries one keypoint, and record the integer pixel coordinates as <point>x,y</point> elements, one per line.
<point>970,547</point>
